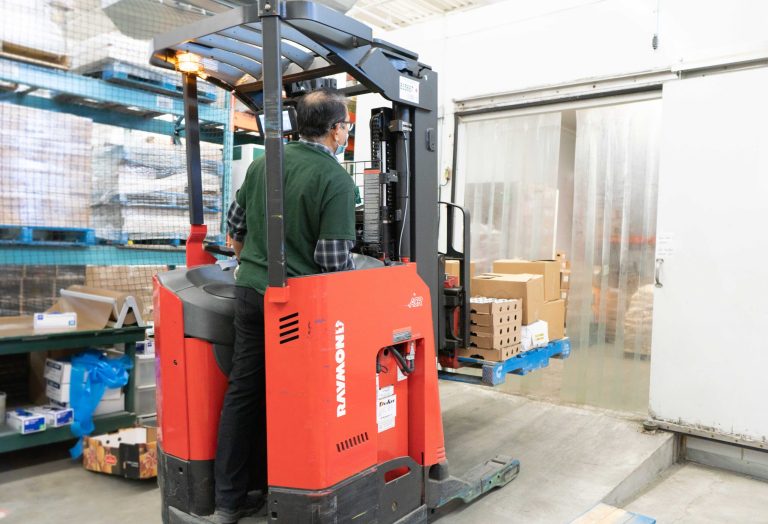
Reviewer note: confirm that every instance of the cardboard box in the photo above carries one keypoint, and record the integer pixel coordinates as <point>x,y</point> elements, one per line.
<point>452,268</point>
<point>499,330</point>
<point>497,355</point>
<point>112,398</point>
<point>565,279</point>
<point>549,269</point>
<point>57,321</point>
<point>494,341</point>
<point>529,288</point>
<point>57,391</point>
<point>554,314</point>
<point>24,421</point>
<point>55,416</point>
<point>129,453</point>
<point>479,320</point>
<point>58,370</point>
<point>534,336</point>
<point>493,306</point>
<point>111,405</point>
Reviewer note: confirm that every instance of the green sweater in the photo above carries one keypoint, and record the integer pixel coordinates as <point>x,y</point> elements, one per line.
<point>319,203</point>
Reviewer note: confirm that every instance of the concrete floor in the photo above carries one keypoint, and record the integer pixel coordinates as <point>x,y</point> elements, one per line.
<point>571,459</point>
<point>692,494</point>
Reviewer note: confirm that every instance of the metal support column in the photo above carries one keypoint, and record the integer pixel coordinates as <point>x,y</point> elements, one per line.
<point>228,143</point>
<point>273,126</point>
<point>192,132</point>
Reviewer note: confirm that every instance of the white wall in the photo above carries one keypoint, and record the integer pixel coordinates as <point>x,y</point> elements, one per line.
<point>519,44</point>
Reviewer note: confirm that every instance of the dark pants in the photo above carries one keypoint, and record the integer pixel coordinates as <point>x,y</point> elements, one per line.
<point>241,455</point>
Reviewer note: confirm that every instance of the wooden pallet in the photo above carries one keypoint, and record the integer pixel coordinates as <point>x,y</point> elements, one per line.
<point>34,56</point>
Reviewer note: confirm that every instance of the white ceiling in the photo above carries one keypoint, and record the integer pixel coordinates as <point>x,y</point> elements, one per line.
<point>395,14</point>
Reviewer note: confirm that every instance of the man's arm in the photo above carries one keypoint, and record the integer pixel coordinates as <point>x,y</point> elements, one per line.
<point>334,255</point>
<point>236,226</point>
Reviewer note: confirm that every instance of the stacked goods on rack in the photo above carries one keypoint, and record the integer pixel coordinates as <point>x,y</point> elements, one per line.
<point>121,59</point>
<point>33,31</point>
<point>495,328</point>
<point>552,308</point>
<point>45,168</point>
<point>140,193</point>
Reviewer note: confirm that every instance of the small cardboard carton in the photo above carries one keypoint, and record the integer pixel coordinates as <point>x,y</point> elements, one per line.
<point>129,453</point>
<point>495,330</point>
<point>55,416</point>
<point>494,341</point>
<point>58,370</point>
<point>534,336</point>
<point>493,306</point>
<point>527,287</point>
<point>57,391</point>
<point>54,321</point>
<point>565,279</point>
<point>549,269</point>
<point>452,268</point>
<point>24,421</point>
<point>496,355</point>
<point>554,314</point>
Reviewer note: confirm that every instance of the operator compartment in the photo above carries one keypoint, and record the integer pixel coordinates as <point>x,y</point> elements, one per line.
<point>194,315</point>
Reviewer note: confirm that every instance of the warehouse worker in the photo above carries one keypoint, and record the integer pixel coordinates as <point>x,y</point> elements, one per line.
<point>319,211</point>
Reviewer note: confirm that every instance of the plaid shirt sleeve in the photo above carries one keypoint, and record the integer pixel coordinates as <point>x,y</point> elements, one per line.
<point>236,225</point>
<point>334,255</point>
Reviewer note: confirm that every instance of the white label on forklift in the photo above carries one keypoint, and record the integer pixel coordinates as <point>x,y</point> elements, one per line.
<point>401,375</point>
<point>386,391</point>
<point>409,89</point>
<point>386,412</point>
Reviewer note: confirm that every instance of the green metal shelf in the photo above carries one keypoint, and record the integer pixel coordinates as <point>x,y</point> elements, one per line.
<point>10,440</point>
<point>71,340</point>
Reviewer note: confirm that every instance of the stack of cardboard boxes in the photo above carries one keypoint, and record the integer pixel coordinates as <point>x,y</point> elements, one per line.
<point>58,375</point>
<point>536,288</point>
<point>495,327</point>
<point>565,277</point>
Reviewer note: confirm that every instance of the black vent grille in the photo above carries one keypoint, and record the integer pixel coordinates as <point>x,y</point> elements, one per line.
<point>350,443</point>
<point>289,328</point>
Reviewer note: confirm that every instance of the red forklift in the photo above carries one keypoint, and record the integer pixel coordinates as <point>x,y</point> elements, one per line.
<point>354,431</point>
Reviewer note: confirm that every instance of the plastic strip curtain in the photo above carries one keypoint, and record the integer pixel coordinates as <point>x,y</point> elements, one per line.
<point>613,244</point>
<point>509,166</point>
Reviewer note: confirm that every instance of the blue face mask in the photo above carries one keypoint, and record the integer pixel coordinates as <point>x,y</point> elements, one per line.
<point>341,147</point>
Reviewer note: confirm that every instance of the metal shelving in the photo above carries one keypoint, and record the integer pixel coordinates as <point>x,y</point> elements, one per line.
<point>104,102</point>
<point>11,440</point>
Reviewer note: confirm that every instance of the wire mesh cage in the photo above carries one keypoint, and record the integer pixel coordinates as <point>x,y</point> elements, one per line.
<point>93,183</point>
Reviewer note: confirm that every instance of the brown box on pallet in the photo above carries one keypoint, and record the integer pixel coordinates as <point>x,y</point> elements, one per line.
<point>549,269</point>
<point>554,313</point>
<point>452,268</point>
<point>490,354</point>
<point>528,288</point>
<point>494,341</point>
<point>498,330</point>
<point>489,311</point>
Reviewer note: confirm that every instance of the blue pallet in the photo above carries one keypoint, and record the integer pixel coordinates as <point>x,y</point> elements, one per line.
<point>495,373</point>
<point>158,86</point>
<point>46,236</point>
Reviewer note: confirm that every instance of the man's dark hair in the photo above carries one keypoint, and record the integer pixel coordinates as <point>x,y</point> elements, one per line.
<point>318,111</point>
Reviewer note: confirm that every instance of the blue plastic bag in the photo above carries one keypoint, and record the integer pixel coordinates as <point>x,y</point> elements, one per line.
<point>92,373</point>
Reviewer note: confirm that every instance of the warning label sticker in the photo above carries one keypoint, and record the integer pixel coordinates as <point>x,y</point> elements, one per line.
<point>409,89</point>
<point>386,411</point>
